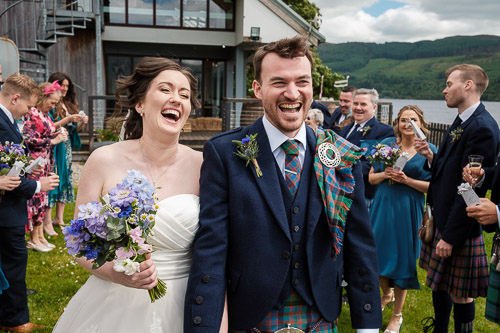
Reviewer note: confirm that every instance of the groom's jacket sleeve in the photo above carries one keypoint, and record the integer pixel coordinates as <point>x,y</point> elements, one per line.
<point>205,294</point>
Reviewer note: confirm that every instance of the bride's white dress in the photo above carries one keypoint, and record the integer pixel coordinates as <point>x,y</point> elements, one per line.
<point>103,306</point>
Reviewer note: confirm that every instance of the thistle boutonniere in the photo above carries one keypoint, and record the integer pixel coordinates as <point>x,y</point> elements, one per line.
<point>248,150</point>
<point>456,134</point>
<point>365,129</point>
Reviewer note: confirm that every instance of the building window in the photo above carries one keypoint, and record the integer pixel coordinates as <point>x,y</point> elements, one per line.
<point>189,14</point>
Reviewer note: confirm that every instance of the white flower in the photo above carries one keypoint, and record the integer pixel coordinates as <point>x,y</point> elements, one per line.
<point>126,265</point>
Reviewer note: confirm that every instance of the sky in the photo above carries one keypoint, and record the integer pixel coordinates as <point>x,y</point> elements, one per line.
<point>382,21</point>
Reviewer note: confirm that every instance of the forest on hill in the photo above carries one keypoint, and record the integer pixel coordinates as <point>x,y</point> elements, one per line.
<point>413,70</point>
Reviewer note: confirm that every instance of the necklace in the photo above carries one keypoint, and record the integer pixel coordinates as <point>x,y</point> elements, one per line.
<point>147,166</point>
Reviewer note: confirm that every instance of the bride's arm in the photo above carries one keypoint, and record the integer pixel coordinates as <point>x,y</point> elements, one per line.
<point>96,170</point>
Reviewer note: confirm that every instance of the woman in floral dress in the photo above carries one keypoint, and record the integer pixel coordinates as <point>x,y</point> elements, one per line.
<point>40,135</point>
<point>66,115</point>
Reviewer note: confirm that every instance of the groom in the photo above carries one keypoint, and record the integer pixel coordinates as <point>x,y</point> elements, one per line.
<point>264,241</point>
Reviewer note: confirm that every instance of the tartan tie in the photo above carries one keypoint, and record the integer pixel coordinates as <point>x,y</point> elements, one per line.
<point>292,164</point>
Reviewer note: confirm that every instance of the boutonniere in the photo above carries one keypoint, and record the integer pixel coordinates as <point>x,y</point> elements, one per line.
<point>456,134</point>
<point>248,150</point>
<point>365,129</point>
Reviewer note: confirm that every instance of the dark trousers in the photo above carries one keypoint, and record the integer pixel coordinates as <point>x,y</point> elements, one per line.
<point>14,301</point>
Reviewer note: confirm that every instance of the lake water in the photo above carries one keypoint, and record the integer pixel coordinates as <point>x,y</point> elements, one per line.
<point>436,111</point>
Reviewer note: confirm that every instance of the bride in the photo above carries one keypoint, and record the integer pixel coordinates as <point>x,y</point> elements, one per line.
<point>160,95</point>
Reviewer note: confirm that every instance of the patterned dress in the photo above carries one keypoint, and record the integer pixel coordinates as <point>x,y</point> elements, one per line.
<point>37,131</point>
<point>64,193</point>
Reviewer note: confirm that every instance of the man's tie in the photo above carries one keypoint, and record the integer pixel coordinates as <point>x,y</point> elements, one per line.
<point>457,122</point>
<point>354,131</point>
<point>292,165</point>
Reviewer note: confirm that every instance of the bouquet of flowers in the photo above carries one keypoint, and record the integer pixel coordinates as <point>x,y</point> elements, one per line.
<point>116,228</point>
<point>385,154</point>
<point>10,153</point>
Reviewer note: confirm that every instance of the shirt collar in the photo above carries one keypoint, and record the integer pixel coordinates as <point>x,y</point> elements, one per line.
<point>276,137</point>
<point>468,112</point>
<point>363,123</point>
<point>7,113</point>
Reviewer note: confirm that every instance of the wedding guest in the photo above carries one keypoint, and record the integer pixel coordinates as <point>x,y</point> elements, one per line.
<point>396,214</point>
<point>40,135</point>
<point>265,238</point>
<point>342,116</point>
<point>366,127</point>
<point>18,96</point>
<point>488,214</point>
<point>456,262</point>
<point>160,95</point>
<point>314,119</point>
<point>66,115</point>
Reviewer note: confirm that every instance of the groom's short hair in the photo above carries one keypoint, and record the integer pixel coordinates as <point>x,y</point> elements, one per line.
<point>287,48</point>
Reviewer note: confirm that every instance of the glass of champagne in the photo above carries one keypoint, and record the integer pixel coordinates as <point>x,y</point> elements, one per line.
<point>475,164</point>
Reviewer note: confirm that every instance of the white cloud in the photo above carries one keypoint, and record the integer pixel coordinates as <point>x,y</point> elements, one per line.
<point>345,20</point>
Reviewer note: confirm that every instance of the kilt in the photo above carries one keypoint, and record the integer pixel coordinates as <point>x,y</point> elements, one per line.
<point>296,312</point>
<point>463,274</point>
<point>493,299</point>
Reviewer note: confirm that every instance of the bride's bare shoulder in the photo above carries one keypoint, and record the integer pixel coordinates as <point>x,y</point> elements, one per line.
<point>192,156</point>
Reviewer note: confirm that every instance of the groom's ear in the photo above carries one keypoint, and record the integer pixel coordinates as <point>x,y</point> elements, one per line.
<point>257,89</point>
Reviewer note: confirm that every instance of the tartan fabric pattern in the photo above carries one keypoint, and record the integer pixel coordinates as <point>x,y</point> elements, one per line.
<point>336,184</point>
<point>292,164</point>
<point>295,312</point>
<point>463,274</point>
<point>493,299</point>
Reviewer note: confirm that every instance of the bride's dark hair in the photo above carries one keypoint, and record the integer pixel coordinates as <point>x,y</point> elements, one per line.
<point>133,88</point>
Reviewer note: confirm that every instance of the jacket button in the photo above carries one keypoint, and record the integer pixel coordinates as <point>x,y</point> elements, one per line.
<point>286,255</point>
<point>296,228</point>
<point>197,320</point>
<point>366,288</point>
<point>206,279</point>
<point>296,247</point>
<point>199,300</point>
<point>367,307</point>
<point>296,210</point>
<point>363,271</point>
<point>296,266</point>
<point>296,282</point>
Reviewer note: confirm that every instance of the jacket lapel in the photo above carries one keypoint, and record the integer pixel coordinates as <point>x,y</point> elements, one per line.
<point>315,201</point>
<point>449,145</point>
<point>269,182</point>
<point>10,125</point>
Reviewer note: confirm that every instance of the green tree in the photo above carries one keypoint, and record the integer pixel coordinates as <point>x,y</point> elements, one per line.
<point>304,8</point>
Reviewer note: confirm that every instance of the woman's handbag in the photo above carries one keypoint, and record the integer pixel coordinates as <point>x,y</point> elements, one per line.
<point>426,231</point>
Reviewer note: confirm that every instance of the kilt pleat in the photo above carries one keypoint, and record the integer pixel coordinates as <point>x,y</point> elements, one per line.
<point>463,274</point>
<point>297,313</point>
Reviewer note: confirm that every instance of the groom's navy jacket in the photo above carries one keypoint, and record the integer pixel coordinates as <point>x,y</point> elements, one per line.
<point>247,243</point>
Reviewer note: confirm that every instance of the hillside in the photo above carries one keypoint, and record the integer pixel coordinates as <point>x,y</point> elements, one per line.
<point>413,70</point>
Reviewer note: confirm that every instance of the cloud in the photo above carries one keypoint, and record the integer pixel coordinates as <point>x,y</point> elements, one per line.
<point>416,20</point>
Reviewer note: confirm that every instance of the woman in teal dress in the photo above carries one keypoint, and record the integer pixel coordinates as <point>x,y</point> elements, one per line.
<point>396,215</point>
<point>66,117</point>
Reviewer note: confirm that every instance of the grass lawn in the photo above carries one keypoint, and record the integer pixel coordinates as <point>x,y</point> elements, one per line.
<point>56,277</point>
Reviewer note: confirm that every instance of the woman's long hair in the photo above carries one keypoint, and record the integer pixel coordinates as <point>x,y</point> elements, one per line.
<point>69,100</point>
<point>132,89</point>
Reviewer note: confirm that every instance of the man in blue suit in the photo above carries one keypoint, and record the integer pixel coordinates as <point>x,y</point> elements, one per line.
<point>18,96</point>
<point>264,240</point>
<point>456,262</point>
<point>366,127</point>
<point>342,116</point>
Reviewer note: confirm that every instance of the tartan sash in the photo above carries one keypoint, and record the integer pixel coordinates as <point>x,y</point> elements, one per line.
<point>336,184</point>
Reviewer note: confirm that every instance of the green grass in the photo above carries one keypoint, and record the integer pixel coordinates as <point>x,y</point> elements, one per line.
<point>56,277</point>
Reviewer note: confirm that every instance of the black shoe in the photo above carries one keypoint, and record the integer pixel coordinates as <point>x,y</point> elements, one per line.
<point>30,291</point>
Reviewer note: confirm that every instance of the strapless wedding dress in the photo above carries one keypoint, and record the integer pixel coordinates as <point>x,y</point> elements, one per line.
<point>103,306</point>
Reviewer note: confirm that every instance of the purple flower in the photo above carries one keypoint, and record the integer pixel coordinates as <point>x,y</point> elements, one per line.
<point>91,252</point>
<point>74,236</point>
<point>125,212</point>
<point>121,196</point>
<point>245,140</point>
<point>89,210</point>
